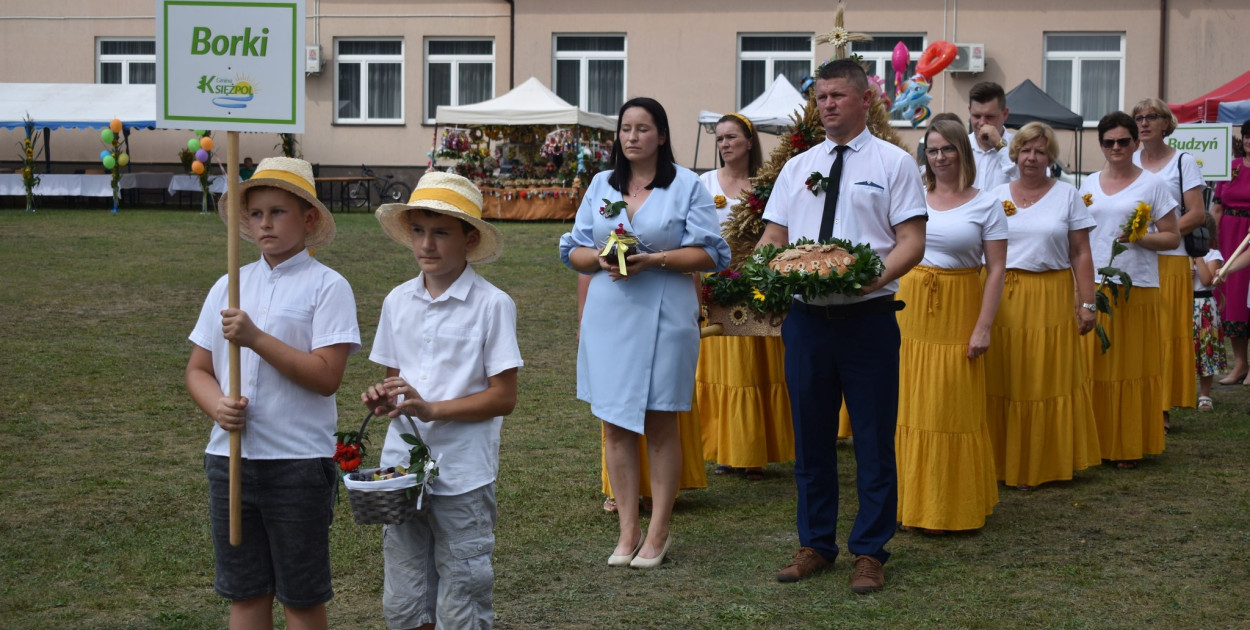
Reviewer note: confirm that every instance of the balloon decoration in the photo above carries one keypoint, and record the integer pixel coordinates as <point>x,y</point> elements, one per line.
<point>900,60</point>
<point>112,157</point>
<point>912,98</point>
<point>196,158</point>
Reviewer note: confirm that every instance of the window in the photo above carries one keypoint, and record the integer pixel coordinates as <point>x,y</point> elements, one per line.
<point>879,53</point>
<point>458,72</point>
<point>1085,72</point>
<point>590,71</point>
<point>762,57</point>
<point>126,61</point>
<point>369,81</point>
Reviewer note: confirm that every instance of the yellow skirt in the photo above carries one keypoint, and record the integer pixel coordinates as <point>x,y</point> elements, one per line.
<point>1127,391</point>
<point>1040,406</point>
<point>693,474</point>
<point>1176,329</point>
<point>946,474</point>
<point>740,390</point>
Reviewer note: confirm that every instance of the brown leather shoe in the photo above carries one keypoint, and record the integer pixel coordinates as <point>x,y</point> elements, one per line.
<point>805,563</point>
<point>867,576</point>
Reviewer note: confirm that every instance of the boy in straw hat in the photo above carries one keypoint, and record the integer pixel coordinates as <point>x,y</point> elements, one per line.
<point>296,328</point>
<point>448,341</point>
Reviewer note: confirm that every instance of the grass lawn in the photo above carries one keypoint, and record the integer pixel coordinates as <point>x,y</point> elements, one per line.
<point>103,503</point>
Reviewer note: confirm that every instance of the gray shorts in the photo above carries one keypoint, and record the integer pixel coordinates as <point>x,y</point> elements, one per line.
<point>438,565</point>
<point>288,505</point>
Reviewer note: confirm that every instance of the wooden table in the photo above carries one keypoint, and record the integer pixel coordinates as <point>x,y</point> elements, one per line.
<point>343,183</point>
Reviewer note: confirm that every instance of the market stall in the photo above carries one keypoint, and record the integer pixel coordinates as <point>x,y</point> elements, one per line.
<point>531,153</point>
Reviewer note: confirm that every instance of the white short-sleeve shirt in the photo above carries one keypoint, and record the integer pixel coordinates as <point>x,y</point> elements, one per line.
<point>994,167</point>
<point>955,238</point>
<point>1172,177</point>
<point>1113,211</point>
<point>447,348</point>
<point>1212,255</point>
<point>879,189</point>
<point>712,183</point>
<point>1037,236</point>
<point>306,305</point>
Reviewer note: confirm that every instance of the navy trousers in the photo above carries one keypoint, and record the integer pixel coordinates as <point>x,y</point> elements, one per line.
<point>827,359</point>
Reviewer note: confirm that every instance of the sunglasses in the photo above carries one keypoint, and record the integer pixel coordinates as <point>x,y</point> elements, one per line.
<point>1147,118</point>
<point>1111,142</point>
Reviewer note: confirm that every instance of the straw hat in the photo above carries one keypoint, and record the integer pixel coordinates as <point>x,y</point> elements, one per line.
<point>449,194</point>
<point>294,176</point>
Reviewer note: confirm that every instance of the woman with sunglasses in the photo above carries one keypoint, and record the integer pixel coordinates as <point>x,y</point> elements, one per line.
<point>1043,427</point>
<point>1127,378</point>
<point>946,477</point>
<point>1180,174</point>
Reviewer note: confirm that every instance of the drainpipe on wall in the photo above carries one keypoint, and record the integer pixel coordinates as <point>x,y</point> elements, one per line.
<point>1163,46</point>
<point>511,44</point>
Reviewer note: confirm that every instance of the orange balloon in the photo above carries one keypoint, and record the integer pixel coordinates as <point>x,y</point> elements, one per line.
<point>115,125</point>
<point>206,143</point>
<point>197,167</point>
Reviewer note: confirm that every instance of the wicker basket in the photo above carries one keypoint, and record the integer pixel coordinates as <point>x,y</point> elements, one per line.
<point>386,502</point>
<point>740,321</point>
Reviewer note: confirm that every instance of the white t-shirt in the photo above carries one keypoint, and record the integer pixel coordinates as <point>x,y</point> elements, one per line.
<point>306,305</point>
<point>1037,236</point>
<point>1112,212</point>
<point>712,183</point>
<point>1188,173</point>
<point>955,238</point>
<point>1212,256</point>
<point>447,348</point>
<point>879,189</point>
<point>994,167</point>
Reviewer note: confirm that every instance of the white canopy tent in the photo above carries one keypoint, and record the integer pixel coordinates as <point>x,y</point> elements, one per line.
<point>76,106</point>
<point>770,112</point>
<point>530,103</point>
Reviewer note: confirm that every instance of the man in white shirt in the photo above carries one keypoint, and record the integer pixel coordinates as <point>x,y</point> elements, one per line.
<point>847,345</point>
<point>987,114</point>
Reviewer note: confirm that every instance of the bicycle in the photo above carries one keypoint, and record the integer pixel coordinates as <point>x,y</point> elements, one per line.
<point>357,194</point>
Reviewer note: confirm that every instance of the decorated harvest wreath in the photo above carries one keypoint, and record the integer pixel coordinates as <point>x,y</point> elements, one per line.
<point>770,278</point>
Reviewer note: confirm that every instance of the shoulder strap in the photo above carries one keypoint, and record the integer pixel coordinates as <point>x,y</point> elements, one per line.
<point>1180,181</point>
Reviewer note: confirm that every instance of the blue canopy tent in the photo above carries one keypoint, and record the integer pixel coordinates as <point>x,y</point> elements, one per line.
<point>76,106</point>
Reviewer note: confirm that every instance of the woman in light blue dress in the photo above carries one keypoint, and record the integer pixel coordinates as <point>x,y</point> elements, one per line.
<point>639,340</point>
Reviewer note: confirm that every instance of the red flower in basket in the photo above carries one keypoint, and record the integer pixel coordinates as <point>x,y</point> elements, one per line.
<point>348,451</point>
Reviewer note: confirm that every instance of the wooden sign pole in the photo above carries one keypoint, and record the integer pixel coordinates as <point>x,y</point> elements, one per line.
<point>232,269</point>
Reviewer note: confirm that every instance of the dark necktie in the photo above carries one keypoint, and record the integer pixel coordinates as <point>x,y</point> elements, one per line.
<point>831,194</point>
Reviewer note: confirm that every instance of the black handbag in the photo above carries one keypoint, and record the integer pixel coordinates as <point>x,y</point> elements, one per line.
<point>1198,242</point>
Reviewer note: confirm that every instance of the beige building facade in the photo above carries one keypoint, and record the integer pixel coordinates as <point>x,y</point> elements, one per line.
<point>386,65</point>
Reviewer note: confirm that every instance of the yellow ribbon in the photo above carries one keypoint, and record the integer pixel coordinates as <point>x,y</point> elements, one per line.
<point>622,242</point>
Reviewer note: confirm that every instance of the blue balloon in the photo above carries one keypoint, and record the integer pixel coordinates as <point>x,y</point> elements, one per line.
<point>105,153</point>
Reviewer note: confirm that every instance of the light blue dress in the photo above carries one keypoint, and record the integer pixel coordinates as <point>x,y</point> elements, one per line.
<point>640,337</point>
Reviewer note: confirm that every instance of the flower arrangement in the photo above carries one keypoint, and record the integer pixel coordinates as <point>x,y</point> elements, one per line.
<point>1133,229</point>
<point>1088,198</point>
<point>29,179</point>
<point>769,288</point>
<point>817,182</point>
<point>720,201</point>
<point>349,448</point>
<point>621,243</point>
<point>611,208</point>
<point>1009,208</point>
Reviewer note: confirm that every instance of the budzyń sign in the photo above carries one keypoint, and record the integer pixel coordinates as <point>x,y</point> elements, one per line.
<point>1211,144</point>
<point>230,66</point>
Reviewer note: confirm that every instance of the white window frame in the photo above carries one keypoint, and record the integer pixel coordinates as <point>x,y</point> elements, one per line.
<point>770,58</point>
<point>455,60</point>
<point>884,58</point>
<point>364,61</point>
<point>124,59</point>
<point>584,57</point>
<point>1078,57</point>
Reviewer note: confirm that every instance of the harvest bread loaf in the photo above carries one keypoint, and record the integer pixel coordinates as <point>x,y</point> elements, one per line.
<point>821,259</point>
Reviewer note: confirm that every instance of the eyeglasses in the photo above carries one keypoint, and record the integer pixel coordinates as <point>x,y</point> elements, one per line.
<point>1147,118</point>
<point>1111,142</point>
<point>948,150</point>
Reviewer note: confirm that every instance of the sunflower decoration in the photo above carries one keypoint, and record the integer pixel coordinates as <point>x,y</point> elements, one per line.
<point>1088,198</point>
<point>1009,208</point>
<point>1137,224</point>
<point>738,315</point>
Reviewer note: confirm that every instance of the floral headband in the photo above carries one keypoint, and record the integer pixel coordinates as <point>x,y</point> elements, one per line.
<point>746,122</point>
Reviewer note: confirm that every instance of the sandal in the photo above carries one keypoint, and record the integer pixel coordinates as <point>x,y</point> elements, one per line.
<point>1205,403</point>
<point>754,474</point>
<point>723,470</point>
<point>1127,464</point>
<point>609,505</point>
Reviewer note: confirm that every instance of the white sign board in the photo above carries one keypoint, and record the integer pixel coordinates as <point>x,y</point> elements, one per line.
<point>230,66</point>
<point>1211,144</point>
